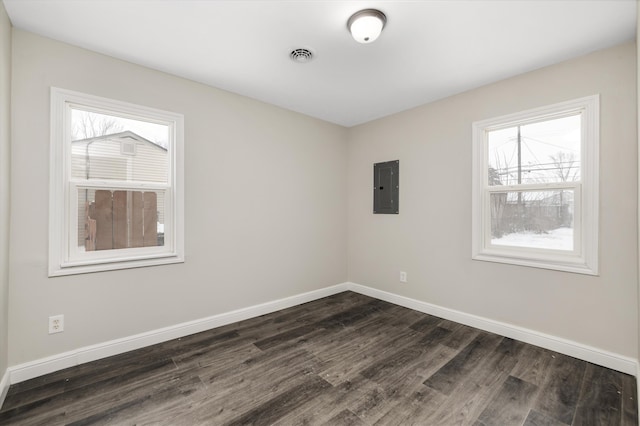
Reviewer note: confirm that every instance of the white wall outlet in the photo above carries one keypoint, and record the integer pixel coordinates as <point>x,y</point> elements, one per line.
<point>403,277</point>
<point>56,324</point>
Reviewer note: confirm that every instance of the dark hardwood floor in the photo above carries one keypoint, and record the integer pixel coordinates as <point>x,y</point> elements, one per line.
<point>343,360</point>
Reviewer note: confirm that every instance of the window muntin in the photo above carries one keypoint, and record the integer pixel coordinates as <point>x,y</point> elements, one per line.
<point>535,187</point>
<point>116,194</point>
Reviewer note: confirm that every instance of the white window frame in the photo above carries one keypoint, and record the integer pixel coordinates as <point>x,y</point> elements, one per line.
<point>64,256</point>
<point>584,258</point>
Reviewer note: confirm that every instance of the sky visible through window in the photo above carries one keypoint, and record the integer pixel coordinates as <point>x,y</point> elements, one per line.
<point>87,124</point>
<point>549,152</point>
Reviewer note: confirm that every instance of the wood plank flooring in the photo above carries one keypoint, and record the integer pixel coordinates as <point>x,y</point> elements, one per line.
<point>343,360</point>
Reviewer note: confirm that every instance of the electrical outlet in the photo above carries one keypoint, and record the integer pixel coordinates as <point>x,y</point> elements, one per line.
<point>403,277</point>
<point>56,324</point>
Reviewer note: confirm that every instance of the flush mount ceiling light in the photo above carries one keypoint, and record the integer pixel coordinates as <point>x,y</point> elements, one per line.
<point>366,25</point>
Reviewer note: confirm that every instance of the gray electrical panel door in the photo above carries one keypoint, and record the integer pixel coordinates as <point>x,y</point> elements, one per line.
<point>386,186</point>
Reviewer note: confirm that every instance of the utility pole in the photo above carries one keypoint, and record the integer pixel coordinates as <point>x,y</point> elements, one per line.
<point>519,165</point>
<point>521,213</point>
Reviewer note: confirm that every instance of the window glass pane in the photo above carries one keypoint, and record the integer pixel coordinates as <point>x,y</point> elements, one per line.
<point>535,219</point>
<point>114,219</point>
<point>110,147</point>
<point>543,152</point>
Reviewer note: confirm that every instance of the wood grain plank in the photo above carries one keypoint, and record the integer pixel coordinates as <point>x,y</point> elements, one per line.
<point>136,222</point>
<point>355,314</point>
<point>379,399</point>
<point>426,324</point>
<point>449,325</point>
<point>306,314</point>
<point>533,365</point>
<point>347,364</point>
<point>559,394</point>
<point>268,366</point>
<point>123,411</point>
<point>367,399</point>
<point>286,336</point>
<point>232,397</point>
<point>103,209</point>
<point>399,316</point>
<point>98,390</point>
<point>270,411</point>
<point>253,382</point>
<point>115,374</point>
<point>345,418</point>
<point>629,400</point>
<point>461,335</point>
<point>536,418</point>
<point>406,360</point>
<point>182,345</point>
<point>150,221</point>
<point>435,336</point>
<point>120,226</point>
<point>39,412</point>
<point>330,403</point>
<point>414,409</point>
<point>427,366</point>
<point>600,399</point>
<point>218,353</point>
<point>101,396</point>
<point>320,409</point>
<point>452,373</point>
<point>19,398</point>
<point>480,385</point>
<point>511,405</point>
<point>336,343</point>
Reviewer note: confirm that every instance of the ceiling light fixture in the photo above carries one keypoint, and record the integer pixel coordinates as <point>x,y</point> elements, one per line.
<point>366,25</point>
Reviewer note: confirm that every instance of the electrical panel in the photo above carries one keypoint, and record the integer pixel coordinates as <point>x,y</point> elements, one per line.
<point>386,187</point>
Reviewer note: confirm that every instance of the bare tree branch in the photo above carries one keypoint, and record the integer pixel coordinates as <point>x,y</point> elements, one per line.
<point>91,125</point>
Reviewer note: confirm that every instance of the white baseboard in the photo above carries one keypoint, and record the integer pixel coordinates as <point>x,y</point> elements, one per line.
<point>637,380</point>
<point>78,356</point>
<point>30,370</point>
<point>557,344</point>
<point>4,386</point>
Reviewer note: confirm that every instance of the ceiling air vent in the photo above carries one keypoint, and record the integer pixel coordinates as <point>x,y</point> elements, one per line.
<point>301,55</point>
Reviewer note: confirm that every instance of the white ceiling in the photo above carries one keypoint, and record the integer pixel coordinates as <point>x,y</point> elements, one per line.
<point>427,51</point>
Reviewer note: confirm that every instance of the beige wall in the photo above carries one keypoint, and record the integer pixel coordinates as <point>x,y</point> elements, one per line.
<point>267,212</point>
<point>265,206</point>
<point>5,152</point>
<point>431,237</point>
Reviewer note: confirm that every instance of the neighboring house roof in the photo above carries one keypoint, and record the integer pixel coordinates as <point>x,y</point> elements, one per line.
<point>128,134</point>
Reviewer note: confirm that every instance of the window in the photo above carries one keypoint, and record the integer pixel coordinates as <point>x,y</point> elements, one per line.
<point>116,195</point>
<point>535,187</point>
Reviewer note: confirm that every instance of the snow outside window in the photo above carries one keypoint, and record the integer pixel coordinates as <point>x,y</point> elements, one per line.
<point>535,187</point>
<point>116,185</point>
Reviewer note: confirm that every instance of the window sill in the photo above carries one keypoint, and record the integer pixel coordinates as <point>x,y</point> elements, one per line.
<point>577,266</point>
<point>112,266</point>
